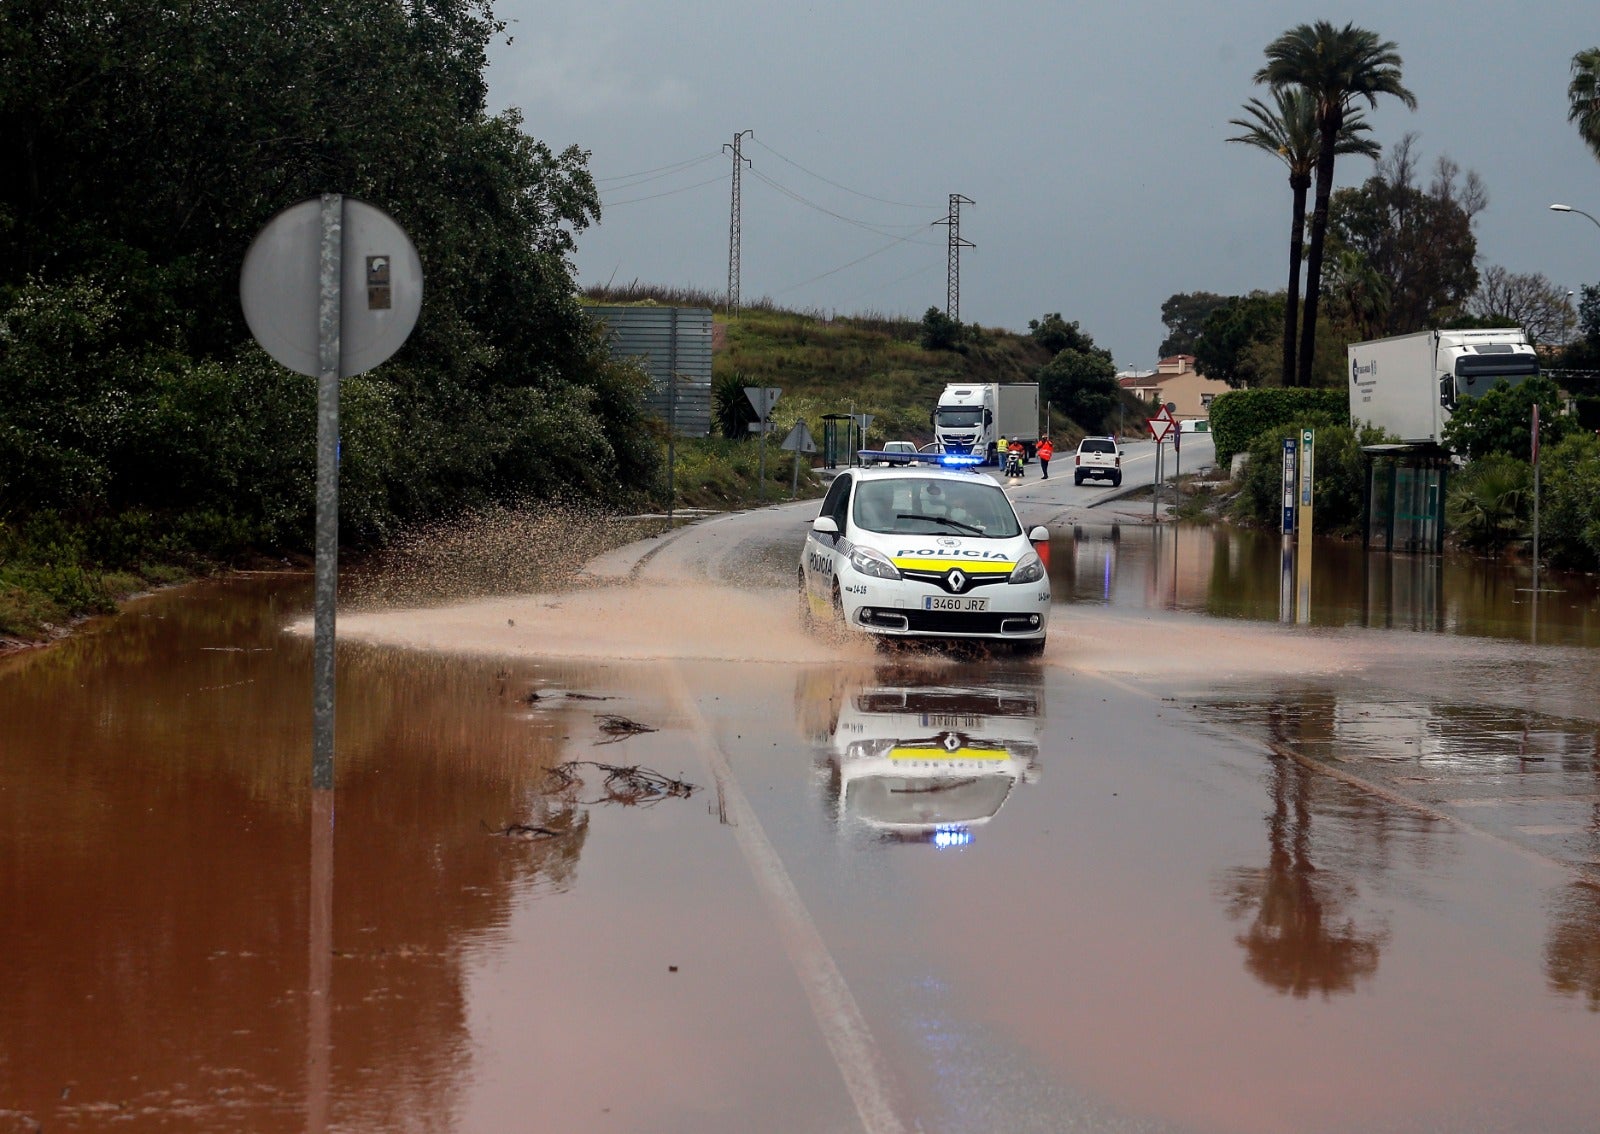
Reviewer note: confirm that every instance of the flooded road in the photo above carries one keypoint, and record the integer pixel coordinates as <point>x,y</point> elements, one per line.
<point>1197,869</point>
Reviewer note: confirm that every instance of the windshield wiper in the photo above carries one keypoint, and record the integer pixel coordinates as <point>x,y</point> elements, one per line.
<point>940,520</point>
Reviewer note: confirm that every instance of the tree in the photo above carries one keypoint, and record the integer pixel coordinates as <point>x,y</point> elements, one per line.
<point>1583,97</point>
<point>1335,67</point>
<point>939,331</point>
<point>1223,348</point>
<point>1290,133</point>
<point>1501,420</point>
<point>1082,385</point>
<point>1184,314</point>
<point>1530,301</point>
<point>1418,243</point>
<point>148,143</point>
<point>1055,334</point>
<point>1362,291</point>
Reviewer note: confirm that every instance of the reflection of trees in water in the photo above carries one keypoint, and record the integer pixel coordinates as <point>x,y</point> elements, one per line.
<point>157,847</point>
<point>1300,939</point>
<point>1572,951</point>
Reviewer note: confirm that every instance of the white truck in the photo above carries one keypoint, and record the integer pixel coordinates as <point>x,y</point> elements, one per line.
<point>972,416</point>
<point>1409,384</point>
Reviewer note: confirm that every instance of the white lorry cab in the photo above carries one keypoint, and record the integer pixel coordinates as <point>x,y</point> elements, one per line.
<point>971,417</point>
<point>1410,384</point>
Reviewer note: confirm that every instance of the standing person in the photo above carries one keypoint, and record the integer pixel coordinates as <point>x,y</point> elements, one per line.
<point>1044,452</point>
<point>1000,451</point>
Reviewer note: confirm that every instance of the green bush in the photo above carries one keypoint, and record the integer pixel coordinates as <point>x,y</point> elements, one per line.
<point>1338,483</point>
<point>1501,420</point>
<point>1569,507</point>
<point>1489,504</point>
<point>716,473</point>
<point>1239,416</point>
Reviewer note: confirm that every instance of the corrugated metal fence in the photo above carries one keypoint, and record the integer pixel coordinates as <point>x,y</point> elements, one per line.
<point>669,341</point>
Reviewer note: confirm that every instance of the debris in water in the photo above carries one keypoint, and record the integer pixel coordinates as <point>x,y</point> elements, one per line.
<point>526,831</point>
<point>619,728</point>
<point>631,786</point>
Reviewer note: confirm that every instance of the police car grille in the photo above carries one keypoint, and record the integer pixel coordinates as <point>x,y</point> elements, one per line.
<point>937,578</point>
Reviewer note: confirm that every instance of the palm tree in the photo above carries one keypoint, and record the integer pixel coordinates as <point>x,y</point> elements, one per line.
<point>1290,132</point>
<point>1583,93</point>
<point>1334,66</point>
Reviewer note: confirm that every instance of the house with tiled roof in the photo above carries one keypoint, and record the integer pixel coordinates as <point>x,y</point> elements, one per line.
<point>1175,380</point>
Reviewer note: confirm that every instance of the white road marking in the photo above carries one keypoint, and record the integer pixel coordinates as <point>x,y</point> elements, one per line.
<point>865,1072</point>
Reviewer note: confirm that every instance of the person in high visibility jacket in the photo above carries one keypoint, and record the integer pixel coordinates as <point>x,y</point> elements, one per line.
<point>1000,450</point>
<point>1044,452</point>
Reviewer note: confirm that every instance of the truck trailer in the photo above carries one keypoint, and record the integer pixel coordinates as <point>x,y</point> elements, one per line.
<point>1409,384</point>
<point>972,416</point>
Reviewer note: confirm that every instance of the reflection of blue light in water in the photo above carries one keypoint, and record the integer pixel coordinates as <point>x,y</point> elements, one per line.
<point>1106,582</point>
<point>951,837</point>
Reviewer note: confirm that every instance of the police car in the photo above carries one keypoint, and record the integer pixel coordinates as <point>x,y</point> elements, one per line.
<point>924,552</point>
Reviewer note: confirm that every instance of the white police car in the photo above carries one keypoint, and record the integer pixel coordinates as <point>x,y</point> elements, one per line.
<point>924,553</point>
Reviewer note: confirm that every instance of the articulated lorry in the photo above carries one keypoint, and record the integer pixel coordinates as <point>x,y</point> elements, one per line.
<point>1409,384</point>
<point>972,416</point>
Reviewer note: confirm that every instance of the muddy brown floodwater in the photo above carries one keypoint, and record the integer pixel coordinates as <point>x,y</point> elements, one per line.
<point>1216,862</point>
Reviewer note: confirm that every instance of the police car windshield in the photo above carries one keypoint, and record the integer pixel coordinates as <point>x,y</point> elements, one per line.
<point>928,506</point>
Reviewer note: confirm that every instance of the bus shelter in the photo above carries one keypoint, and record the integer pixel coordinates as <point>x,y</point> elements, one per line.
<point>1404,498</point>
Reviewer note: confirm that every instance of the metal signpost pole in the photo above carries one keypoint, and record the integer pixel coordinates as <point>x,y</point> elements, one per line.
<point>1286,550</point>
<point>1303,526</point>
<point>672,437</point>
<point>329,313</point>
<point>1535,441</point>
<point>1161,468</point>
<point>301,252</point>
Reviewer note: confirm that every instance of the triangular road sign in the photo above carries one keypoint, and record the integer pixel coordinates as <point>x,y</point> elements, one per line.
<point>762,399</point>
<point>1159,427</point>
<point>799,439</point>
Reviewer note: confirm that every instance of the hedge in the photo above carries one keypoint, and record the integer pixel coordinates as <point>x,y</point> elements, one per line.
<point>1239,416</point>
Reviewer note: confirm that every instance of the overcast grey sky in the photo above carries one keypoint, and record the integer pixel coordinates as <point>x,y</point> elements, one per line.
<point>1090,137</point>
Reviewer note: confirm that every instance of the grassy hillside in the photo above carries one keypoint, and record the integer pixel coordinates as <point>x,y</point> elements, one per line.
<point>863,363</point>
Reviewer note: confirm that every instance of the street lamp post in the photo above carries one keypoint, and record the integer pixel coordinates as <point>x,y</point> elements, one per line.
<point>1570,209</point>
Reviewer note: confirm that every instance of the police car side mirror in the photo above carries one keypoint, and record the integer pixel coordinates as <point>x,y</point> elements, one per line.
<point>1040,534</point>
<point>825,525</point>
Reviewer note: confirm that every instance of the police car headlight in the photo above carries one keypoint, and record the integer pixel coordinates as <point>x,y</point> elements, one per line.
<point>874,563</point>
<point>1029,570</point>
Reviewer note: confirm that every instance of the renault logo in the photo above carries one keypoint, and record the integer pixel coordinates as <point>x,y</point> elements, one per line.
<point>955,579</point>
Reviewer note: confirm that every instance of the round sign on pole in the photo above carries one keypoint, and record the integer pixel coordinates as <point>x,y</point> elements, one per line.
<point>381,287</point>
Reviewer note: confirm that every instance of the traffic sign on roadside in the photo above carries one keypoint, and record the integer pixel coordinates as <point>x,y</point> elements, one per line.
<point>762,399</point>
<point>799,439</point>
<point>1159,427</point>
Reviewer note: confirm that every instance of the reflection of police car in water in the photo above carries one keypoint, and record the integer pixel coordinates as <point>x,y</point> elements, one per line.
<point>929,763</point>
<point>924,552</point>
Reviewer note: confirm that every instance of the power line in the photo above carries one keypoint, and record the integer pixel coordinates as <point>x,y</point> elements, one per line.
<point>860,295</point>
<point>665,193</point>
<point>851,264</point>
<point>835,184</point>
<point>881,230</point>
<point>659,171</point>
